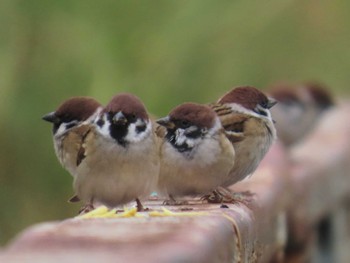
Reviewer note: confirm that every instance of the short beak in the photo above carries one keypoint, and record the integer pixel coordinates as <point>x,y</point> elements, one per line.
<point>51,117</point>
<point>272,102</point>
<point>166,122</point>
<point>119,118</point>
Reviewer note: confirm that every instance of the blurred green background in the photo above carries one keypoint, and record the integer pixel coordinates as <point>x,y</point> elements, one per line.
<point>166,52</point>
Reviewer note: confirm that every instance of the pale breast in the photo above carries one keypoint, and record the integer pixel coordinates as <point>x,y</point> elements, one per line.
<point>115,175</point>
<point>204,172</point>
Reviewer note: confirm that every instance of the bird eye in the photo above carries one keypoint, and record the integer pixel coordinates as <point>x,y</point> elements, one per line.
<point>66,118</point>
<point>100,122</point>
<point>70,125</point>
<point>133,117</point>
<point>264,104</point>
<point>262,112</point>
<point>185,124</point>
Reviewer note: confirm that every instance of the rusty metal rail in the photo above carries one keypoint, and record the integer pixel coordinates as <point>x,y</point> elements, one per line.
<point>299,213</point>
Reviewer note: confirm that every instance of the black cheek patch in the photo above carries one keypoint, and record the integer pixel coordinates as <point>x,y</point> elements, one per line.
<point>183,148</point>
<point>195,134</point>
<point>71,125</point>
<point>262,113</point>
<point>140,128</point>
<point>55,127</point>
<point>170,136</point>
<point>100,122</point>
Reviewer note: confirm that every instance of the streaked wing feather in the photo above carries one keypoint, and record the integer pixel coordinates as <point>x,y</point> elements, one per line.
<point>84,131</point>
<point>160,131</point>
<point>233,122</point>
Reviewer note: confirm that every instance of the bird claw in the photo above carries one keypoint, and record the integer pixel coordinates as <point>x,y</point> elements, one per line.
<point>212,198</point>
<point>86,209</point>
<point>222,195</point>
<point>245,197</point>
<point>140,207</point>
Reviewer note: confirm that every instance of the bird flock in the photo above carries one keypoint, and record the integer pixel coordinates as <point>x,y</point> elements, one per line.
<point>118,154</point>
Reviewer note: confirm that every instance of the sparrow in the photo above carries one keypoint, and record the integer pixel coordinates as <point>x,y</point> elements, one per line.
<point>245,116</point>
<point>119,157</point>
<point>320,94</point>
<point>195,154</point>
<point>299,109</point>
<point>70,122</point>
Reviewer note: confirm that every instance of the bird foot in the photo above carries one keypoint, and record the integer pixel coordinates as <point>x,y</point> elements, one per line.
<point>222,195</point>
<point>140,207</point>
<point>86,209</point>
<point>245,198</point>
<point>212,198</point>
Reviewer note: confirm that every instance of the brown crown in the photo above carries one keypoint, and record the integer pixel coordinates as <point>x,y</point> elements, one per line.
<point>284,92</point>
<point>320,94</point>
<point>247,96</point>
<point>77,108</point>
<point>200,115</point>
<point>128,104</point>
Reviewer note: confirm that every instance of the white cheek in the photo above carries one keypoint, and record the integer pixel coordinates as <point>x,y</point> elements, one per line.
<point>239,108</point>
<point>269,117</point>
<point>104,130</point>
<point>217,126</point>
<point>180,136</point>
<point>192,142</point>
<point>63,128</point>
<point>134,136</point>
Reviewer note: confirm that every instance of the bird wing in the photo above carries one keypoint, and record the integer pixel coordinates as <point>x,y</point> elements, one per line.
<point>83,132</point>
<point>232,121</point>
